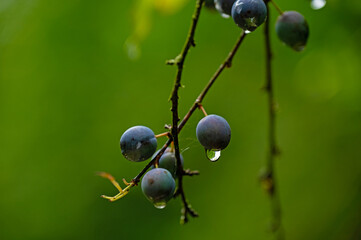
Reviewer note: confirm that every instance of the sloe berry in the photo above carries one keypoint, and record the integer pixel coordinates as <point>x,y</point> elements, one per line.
<point>169,161</point>
<point>213,132</point>
<point>138,143</point>
<point>158,186</point>
<point>292,29</point>
<point>249,14</point>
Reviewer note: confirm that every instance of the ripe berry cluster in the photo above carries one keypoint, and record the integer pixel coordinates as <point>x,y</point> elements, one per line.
<point>213,132</point>
<point>139,143</point>
<point>291,26</point>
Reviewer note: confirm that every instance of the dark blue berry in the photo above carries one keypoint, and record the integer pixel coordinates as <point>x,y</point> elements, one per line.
<point>224,6</point>
<point>138,143</point>
<point>169,161</point>
<point>158,186</point>
<point>249,14</point>
<point>213,132</point>
<point>292,29</point>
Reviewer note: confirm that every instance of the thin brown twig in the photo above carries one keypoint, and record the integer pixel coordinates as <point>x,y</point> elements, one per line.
<point>179,61</point>
<point>268,177</point>
<point>155,158</point>
<point>227,63</point>
<point>276,7</point>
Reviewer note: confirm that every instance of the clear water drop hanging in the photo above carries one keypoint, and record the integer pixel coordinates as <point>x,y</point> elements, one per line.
<point>213,155</point>
<point>247,31</point>
<point>317,4</point>
<point>160,205</point>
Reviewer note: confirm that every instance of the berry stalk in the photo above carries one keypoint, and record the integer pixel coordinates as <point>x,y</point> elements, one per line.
<point>268,177</point>
<point>179,61</point>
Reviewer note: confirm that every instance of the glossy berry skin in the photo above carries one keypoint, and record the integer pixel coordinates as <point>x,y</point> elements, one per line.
<point>138,143</point>
<point>249,14</point>
<point>213,132</point>
<point>169,161</point>
<point>158,185</point>
<point>292,29</point>
<point>224,6</point>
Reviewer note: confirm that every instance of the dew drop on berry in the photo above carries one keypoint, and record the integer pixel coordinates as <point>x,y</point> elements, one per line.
<point>213,155</point>
<point>160,205</point>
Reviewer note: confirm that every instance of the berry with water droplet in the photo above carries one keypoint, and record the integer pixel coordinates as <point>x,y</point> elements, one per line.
<point>158,186</point>
<point>138,143</point>
<point>292,29</point>
<point>213,132</point>
<point>249,14</point>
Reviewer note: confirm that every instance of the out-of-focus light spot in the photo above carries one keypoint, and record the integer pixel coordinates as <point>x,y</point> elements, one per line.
<point>318,4</point>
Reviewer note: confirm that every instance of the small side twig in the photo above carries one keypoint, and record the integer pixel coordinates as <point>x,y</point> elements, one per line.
<point>200,106</point>
<point>165,134</point>
<point>276,7</point>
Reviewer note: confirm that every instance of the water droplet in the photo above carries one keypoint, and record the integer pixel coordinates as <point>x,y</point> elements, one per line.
<point>317,4</point>
<point>247,31</point>
<point>213,155</point>
<point>299,48</point>
<point>160,205</point>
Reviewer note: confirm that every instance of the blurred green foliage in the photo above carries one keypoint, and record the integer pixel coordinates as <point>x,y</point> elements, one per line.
<point>68,91</point>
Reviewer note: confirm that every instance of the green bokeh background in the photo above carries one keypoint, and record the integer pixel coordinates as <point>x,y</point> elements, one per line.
<point>68,91</point>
